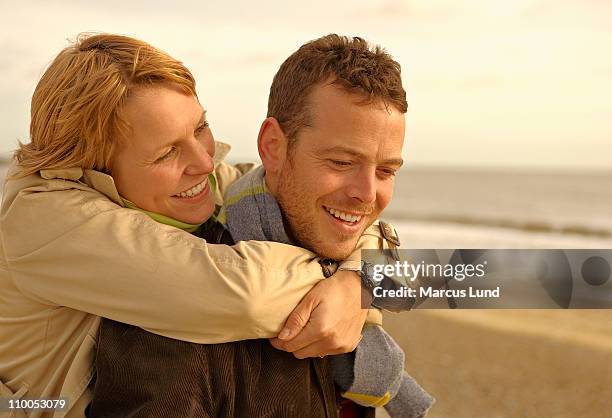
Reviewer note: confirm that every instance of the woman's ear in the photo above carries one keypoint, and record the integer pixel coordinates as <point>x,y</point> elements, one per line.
<point>272,147</point>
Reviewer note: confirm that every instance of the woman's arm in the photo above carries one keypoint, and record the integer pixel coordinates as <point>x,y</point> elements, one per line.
<point>85,252</point>
<point>66,244</point>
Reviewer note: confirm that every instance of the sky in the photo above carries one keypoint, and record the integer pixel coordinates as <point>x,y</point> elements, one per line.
<point>519,84</point>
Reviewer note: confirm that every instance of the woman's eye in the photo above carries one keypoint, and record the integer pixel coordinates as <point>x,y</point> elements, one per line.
<point>167,155</point>
<point>201,128</point>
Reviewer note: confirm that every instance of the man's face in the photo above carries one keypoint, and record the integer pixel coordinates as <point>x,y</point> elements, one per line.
<point>340,173</point>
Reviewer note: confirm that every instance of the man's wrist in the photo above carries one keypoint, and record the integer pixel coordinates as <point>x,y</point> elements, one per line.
<point>366,274</point>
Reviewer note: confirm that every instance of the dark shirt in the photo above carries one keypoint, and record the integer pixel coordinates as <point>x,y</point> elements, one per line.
<point>140,374</point>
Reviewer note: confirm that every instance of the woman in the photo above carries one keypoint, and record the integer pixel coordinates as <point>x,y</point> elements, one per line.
<point>79,241</point>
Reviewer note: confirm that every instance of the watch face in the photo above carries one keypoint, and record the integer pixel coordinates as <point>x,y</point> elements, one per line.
<point>367,274</point>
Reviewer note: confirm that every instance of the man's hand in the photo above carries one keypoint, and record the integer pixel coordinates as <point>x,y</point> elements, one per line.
<point>328,320</point>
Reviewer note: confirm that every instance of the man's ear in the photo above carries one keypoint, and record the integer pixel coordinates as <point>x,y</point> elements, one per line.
<point>272,146</point>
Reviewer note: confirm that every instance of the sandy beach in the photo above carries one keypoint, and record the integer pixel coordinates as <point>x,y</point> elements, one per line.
<point>510,363</point>
<point>507,363</point>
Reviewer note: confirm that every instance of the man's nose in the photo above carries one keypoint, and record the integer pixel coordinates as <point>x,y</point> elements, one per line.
<point>363,185</point>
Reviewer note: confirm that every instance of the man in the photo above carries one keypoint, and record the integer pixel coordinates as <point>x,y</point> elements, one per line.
<point>344,121</point>
<point>330,148</point>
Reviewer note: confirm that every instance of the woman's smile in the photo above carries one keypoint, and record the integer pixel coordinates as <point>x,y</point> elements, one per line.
<point>194,191</point>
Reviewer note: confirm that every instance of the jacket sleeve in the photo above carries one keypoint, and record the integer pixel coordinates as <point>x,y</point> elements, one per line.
<point>87,253</point>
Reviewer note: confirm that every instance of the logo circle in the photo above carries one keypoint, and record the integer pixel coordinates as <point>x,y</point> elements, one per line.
<point>596,270</point>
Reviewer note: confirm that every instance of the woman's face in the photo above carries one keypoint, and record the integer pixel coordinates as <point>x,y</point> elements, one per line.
<point>163,164</point>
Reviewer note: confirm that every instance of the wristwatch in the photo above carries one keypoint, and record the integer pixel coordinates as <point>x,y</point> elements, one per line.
<point>367,275</point>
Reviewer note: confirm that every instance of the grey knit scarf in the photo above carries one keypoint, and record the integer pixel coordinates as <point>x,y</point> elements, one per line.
<point>375,370</point>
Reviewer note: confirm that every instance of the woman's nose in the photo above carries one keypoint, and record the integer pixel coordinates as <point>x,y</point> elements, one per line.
<point>200,158</point>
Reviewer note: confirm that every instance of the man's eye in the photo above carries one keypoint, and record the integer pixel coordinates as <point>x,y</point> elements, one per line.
<point>386,172</point>
<point>341,163</point>
<point>167,155</point>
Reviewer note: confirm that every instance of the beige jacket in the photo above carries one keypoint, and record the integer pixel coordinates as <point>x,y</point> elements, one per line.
<point>70,254</point>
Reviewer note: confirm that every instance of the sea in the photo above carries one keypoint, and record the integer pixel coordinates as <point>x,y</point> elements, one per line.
<point>488,208</point>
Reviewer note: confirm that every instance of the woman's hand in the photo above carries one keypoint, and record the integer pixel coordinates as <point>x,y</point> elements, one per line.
<point>328,320</point>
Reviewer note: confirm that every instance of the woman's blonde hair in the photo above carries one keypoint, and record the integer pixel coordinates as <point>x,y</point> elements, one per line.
<point>76,107</point>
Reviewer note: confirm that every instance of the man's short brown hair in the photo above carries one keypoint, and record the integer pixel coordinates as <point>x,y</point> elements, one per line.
<point>350,63</point>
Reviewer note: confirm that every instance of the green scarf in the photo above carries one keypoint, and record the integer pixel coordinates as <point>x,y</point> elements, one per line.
<point>163,219</point>
<point>166,220</point>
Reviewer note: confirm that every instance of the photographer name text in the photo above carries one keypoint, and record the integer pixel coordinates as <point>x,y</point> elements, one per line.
<point>430,292</point>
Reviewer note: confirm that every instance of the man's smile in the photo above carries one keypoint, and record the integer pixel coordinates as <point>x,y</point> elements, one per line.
<point>343,215</point>
<point>348,224</point>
